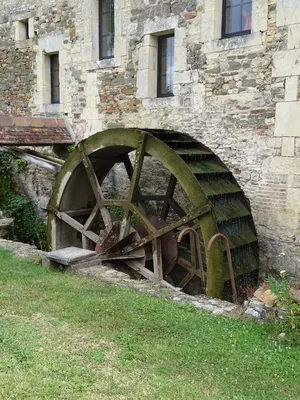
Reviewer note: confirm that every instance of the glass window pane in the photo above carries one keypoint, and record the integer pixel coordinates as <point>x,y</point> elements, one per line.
<point>231,3</point>
<point>54,75</point>
<point>238,15</point>
<point>166,65</point>
<point>106,28</point>
<point>247,16</point>
<point>234,19</point>
<point>107,46</point>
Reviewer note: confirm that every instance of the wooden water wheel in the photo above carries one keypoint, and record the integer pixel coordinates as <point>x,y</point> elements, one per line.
<point>128,193</point>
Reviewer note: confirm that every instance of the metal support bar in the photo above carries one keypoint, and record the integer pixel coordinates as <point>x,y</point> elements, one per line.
<point>231,273</point>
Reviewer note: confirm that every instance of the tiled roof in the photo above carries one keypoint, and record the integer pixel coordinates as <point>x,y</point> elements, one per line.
<point>22,131</point>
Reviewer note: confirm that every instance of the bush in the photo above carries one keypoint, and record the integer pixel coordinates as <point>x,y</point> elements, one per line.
<point>28,227</point>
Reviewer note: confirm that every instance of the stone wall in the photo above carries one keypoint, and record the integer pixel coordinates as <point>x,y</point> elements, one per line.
<point>239,96</point>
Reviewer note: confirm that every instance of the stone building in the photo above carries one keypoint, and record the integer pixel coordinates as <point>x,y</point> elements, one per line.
<point>225,72</point>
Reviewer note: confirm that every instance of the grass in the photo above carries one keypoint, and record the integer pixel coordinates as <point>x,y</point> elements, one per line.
<point>69,337</point>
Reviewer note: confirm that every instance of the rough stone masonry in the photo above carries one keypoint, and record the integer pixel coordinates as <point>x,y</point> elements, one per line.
<point>238,95</point>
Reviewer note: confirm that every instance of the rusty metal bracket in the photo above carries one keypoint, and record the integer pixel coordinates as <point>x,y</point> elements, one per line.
<point>197,242</point>
<point>231,273</point>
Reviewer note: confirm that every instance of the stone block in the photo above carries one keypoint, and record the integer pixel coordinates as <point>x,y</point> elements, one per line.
<point>50,122</point>
<point>6,120</point>
<point>286,63</point>
<point>182,77</point>
<point>288,12</point>
<point>287,119</point>
<point>288,147</point>
<point>293,37</point>
<point>291,88</point>
<point>259,16</point>
<point>69,255</point>
<point>283,165</point>
<point>180,58</point>
<point>21,121</point>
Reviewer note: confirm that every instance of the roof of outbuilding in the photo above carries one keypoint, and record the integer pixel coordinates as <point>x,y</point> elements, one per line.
<point>33,131</point>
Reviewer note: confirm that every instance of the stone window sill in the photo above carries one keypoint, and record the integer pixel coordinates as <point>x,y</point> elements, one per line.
<point>52,108</point>
<point>159,102</point>
<point>236,42</point>
<point>102,64</point>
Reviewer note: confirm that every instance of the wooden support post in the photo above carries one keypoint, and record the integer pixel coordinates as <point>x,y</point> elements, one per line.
<point>157,259</point>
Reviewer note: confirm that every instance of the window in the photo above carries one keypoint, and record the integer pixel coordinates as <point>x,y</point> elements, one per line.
<point>165,70</point>
<point>237,15</point>
<point>54,78</point>
<point>106,28</point>
<point>26,29</point>
<point>22,30</point>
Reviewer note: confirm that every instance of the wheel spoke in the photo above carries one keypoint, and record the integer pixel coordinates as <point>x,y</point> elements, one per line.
<point>176,207</point>
<point>95,186</point>
<point>134,182</point>
<point>91,217</point>
<point>157,259</point>
<point>75,224</point>
<point>197,213</point>
<point>168,196</point>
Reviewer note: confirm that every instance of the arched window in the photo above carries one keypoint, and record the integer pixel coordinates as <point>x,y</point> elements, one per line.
<point>237,16</point>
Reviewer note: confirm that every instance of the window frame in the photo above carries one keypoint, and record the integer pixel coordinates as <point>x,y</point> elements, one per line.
<point>54,100</point>
<point>159,54</point>
<point>112,33</point>
<point>233,34</point>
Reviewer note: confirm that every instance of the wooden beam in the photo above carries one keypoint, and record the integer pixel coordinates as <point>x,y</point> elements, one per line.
<point>75,224</point>
<point>91,218</point>
<point>95,186</point>
<point>196,213</point>
<point>157,259</point>
<point>176,207</point>
<point>169,195</point>
<point>142,218</point>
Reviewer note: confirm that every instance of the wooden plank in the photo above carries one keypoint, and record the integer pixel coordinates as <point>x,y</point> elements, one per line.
<point>186,280</point>
<point>157,259</point>
<point>95,186</point>
<point>142,270</point>
<point>91,218</point>
<point>188,266</point>
<point>84,241</point>
<point>176,207</point>
<point>196,213</point>
<point>169,195</point>
<point>134,184</point>
<point>142,218</point>
<point>79,213</point>
<point>76,225</point>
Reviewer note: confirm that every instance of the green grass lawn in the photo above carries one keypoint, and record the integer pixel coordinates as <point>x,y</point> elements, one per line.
<point>69,337</point>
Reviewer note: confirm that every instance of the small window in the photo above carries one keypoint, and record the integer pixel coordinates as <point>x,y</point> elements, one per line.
<point>22,30</point>
<point>165,64</point>
<point>106,28</point>
<point>237,16</point>
<point>54,79</point>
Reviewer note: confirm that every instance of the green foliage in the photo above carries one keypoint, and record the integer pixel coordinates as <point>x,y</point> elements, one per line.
<point>70,148</point>
<point>282,290</point>
<point>28,227</point>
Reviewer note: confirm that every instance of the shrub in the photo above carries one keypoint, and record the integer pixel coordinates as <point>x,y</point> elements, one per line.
<point>28,226</point>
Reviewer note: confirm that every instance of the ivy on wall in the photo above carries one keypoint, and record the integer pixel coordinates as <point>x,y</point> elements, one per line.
<point>28,226</point>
